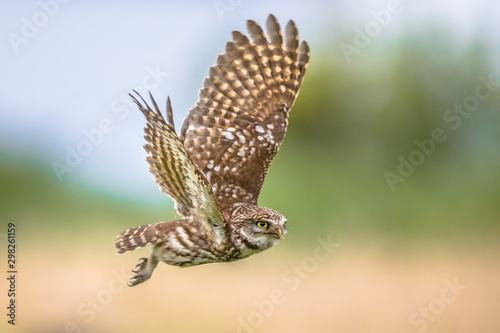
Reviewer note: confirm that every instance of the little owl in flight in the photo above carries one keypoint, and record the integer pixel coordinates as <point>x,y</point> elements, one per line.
<point>215,168</point>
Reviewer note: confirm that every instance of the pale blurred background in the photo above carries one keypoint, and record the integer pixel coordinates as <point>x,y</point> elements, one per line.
<point>415,249</point>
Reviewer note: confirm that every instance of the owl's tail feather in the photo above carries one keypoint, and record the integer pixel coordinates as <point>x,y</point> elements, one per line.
<point>134,238</point>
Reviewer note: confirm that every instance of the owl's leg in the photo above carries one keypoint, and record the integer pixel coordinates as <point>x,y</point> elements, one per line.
<point>144,269</point>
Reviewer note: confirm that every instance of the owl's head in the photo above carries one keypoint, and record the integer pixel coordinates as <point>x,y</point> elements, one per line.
<point>259,227</point>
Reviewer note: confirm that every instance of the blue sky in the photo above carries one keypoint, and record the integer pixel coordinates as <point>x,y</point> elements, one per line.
<point>66,68</point>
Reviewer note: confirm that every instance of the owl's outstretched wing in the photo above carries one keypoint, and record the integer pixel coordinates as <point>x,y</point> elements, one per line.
<point>238,124</point>
<point>174,171</point>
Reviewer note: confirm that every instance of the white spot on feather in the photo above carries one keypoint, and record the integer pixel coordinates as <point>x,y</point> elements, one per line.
<point>259,129</point>
<point>228,135</point>
<point>241,137</point>
<point>184,236</point>
<point>174,244</point>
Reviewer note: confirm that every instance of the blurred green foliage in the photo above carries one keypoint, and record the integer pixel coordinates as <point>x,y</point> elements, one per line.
<point>350,124</point>
<point>352,121</point>
<point>44,207</point>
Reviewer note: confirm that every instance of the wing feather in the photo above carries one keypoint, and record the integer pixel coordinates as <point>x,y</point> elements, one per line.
<point>236,127</point>
<point>174,172</point>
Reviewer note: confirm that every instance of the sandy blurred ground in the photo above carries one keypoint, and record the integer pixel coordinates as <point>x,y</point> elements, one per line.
<point>358,288</point>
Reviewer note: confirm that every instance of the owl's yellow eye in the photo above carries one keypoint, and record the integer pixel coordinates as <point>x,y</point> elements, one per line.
<point>262,224</point>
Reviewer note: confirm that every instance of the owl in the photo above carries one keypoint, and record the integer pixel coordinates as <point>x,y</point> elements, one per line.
<point>215,168</point>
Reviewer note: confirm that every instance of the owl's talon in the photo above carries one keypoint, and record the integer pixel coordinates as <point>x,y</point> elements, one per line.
<point>140,266</point>
<point>142,272</point>
<point>139,278</point>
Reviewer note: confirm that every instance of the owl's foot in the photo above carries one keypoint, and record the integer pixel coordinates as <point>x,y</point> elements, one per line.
<point>143,271</point>
<point>141,265</point>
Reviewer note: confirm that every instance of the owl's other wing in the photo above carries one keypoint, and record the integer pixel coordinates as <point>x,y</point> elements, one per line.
<point>174,171</point>
<point>235,129</point>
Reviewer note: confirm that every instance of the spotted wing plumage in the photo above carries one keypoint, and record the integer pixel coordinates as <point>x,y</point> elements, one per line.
<point>235,129</point>
<point>134,238</point>
<point>174,171</point>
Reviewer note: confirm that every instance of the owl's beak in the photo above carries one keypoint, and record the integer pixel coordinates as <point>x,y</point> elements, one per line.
<point>278,234</point>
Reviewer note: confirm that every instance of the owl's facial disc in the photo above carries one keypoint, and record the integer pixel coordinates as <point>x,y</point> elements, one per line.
<point>275,229</point>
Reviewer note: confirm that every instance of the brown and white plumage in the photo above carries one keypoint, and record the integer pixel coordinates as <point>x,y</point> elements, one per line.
<point>245,101</point>
<point>215,170</point>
